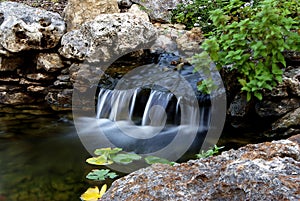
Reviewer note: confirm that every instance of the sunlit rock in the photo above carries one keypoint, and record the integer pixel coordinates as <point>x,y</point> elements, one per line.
<point>40,76</point>
<point>158,10</point>
<point>26,28</point>
<point>78,12</point>
<point>265,171</point>
<point>107,38</point>
<point>136,10</point>
<point>51,62</point>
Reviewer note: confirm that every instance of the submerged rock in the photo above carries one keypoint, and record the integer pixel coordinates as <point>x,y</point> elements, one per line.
<point>266,171</point>
<point>25,28</point>
<point>108,37</point>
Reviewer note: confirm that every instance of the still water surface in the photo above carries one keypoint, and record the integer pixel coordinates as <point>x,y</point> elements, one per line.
<point>42,158</point>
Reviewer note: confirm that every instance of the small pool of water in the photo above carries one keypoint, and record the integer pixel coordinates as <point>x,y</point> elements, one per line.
<point>41,157</point>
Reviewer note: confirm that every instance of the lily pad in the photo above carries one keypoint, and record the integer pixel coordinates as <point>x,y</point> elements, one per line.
<point>99,160</point>
<point>125,158</point>
<point>101,175</point>
<point>154,159</point>
<point>107,151</point>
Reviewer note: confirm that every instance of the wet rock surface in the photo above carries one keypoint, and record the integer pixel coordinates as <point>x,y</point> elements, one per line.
<point>25,28</point>
<point>266,171</point>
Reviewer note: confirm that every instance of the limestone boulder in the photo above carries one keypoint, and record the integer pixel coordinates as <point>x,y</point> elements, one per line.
<point>78,12</point>
<point>50,62</point>
<point>135,9</point>
<point>108,37</point>
<point>266,171</point>
<point>158,10</point>
<point>25,28</point>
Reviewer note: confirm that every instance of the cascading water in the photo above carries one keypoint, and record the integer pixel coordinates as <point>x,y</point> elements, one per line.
<point>156,114</point>
<point>150,110</point>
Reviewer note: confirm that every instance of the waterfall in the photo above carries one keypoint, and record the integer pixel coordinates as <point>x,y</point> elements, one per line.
<point>146,121</point>
<point>159,108</point>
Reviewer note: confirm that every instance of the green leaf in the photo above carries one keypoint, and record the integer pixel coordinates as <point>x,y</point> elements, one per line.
<point>125,158</point>
<point>108,151</point>
<point>154,159</point>
<point>101,175</point>
<point>248,96</point>
<point>209,152</point>
<point>258,95</point>
<point>99,160</point>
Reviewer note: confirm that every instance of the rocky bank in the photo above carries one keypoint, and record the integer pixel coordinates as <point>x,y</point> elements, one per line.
<point>266,171</point>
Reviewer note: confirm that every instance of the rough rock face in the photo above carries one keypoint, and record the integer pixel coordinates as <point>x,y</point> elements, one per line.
<point>136,10</point>
<point>108,36</point>
<point>266,171</point>
<point>277,106</point>
<point>190,41</point>
<point>158,10</point>
<point>25,28</point>
<point>289,124</point>
<point>78,12</point>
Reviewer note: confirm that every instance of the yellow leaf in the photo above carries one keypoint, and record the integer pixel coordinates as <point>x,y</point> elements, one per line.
<point>100,160</point>
<point>92,194</point>
<point>103,190</point>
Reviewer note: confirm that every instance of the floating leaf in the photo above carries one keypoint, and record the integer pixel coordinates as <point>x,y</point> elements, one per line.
<point>98,175</point>
<point>125,158</point>
<point>108,151</point>
<point>154,159</point>
<point>92,194</point>
<point>99,160</point>
<point>103,190</point>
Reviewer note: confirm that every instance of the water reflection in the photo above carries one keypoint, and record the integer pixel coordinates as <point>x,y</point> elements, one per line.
<point>41,158</point>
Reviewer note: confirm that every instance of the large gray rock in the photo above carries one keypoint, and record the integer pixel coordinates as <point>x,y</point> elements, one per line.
<point>107,37</point>
<point>287,125</point>
<point>158,10</point>
<point>25,28</point>
<point>77,12</point>
<point>266,171</point>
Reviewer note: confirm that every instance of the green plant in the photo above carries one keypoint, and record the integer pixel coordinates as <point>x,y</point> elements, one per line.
<point>101,175</point>
<point>196,13</point>
<point>106,156</point>
<point>251,40</point>
<point>210,152</point>
<point>154,159</point>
